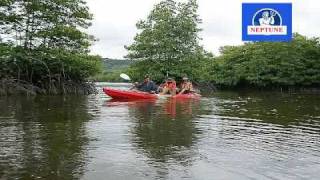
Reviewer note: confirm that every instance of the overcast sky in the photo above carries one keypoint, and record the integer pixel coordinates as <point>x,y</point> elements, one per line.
<point>114,22</point>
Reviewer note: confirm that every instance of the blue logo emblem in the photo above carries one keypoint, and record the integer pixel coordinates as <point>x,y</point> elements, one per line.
<point>266,21</point>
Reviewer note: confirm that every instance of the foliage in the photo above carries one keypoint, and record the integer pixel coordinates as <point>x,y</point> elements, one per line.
<point>269,64</point>
<point>111,65</point>
<point>194,67</point>
<point>168,40</point>
<point>111,70</point>
<point>44,23</point>
<point>44,67</point>
<point>168,44</point>
<point>42,42</point>
<point>109,76</point>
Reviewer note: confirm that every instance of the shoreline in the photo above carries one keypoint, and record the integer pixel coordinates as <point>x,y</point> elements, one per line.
<point>10,87</point>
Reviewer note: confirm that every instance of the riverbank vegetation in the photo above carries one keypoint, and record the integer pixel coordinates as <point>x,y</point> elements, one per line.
<point>111,70</point>
<point>44,49</point>
<point>269,64</point>
<point>168,45</point>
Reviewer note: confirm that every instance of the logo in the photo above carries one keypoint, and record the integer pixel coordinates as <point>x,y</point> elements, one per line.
<point>266,21</point>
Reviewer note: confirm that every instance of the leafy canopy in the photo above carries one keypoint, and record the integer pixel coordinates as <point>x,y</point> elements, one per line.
<point>167,39</point>
<point>269,64</point>
<point>42,42</point>
<point>44,23</point>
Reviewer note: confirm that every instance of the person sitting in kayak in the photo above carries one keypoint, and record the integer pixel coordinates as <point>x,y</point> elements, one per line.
<point>147,85</point>
<point>186,86</point>
<point>169,87</point>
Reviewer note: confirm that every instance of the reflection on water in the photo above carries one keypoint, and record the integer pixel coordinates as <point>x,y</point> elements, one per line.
<point>43,137</point>
<point>276,108</point>
<point>225,136</point>
<point>161,130</point>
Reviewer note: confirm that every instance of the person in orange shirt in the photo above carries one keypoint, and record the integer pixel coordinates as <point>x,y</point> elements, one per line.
<point>169,87</point>
<point>186,86</point>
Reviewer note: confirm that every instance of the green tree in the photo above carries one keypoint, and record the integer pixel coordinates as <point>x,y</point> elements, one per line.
<point>168,39</point>
<point>43,43</point>
<point>272,64</point>
<point>43,23</point>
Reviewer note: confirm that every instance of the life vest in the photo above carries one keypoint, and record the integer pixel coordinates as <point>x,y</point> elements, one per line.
<point>171,85</point>
<point>187,86</point>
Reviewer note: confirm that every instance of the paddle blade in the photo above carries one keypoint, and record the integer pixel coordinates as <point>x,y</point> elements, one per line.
<point>125,77</point>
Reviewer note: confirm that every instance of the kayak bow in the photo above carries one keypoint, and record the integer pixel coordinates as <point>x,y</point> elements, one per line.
<point>125,94</point>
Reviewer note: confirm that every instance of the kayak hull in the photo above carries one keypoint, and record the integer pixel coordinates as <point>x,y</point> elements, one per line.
<point>134,95</point>
<point>123,94</point>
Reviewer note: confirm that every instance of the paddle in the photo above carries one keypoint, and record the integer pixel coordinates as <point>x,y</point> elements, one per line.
<point>125,77</point>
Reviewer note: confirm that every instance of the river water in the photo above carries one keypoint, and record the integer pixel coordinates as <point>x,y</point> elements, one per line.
<point>225,135</point>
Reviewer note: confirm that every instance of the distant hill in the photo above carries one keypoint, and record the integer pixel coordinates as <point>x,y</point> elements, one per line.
<point>112,65</point>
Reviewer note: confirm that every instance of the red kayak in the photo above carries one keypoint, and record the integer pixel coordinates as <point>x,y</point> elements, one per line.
<point>125,94</point>
<point>129,94</point>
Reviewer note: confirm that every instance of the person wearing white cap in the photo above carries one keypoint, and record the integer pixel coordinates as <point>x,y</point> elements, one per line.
<point>186,86</point>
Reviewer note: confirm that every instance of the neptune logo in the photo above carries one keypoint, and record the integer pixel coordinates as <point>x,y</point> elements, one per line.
<point>267,17</point>
<point>267,21</point>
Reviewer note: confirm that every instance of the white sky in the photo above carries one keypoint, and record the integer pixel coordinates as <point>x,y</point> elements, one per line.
<point>114,22</point>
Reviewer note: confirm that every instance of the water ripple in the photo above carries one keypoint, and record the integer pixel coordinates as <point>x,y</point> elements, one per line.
<point>225,136</point>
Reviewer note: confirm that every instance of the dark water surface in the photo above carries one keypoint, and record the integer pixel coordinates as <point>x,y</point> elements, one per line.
<point>223,136</point>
